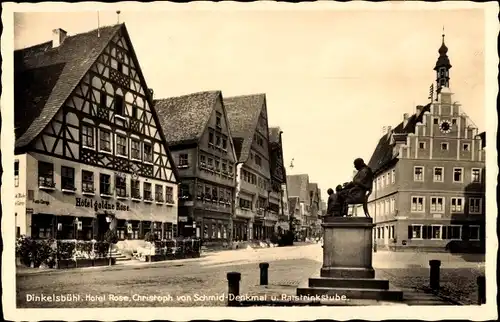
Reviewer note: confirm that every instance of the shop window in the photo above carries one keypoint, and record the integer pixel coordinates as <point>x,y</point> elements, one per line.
<point>121,229</point>
<point>214,231</point>
<point>168,230</point>
<point>157,230</point>
<point>146,228</point>
<point>174,231</point>
<point>205,231</point>
<point>133,229</point>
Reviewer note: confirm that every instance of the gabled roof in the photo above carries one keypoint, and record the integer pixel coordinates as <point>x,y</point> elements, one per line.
<point>61,68</point>
<point>184,118</point>
<point>383,153</point>
<point>243,114</point>
<point>274,134</point>
<point>47,76</point>
<point>298,185</point>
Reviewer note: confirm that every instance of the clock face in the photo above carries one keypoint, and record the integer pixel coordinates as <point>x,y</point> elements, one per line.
<point>445,127</point>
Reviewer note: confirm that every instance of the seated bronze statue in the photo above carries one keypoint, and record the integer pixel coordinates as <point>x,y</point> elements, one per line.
<point>357,191</point>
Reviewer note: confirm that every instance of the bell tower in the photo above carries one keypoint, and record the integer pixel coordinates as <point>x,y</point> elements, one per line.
<point>442,68</point>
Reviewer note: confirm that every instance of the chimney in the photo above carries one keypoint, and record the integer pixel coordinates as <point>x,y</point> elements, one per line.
<point>405,119</point>
<point>389,128</point>
<point>384,129</point>
<point>58,36</point>
<point>151,92</point>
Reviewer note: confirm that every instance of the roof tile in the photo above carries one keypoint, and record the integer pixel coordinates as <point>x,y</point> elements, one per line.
<point>243,114</point>
<point>184,118</point>
<point>62,68</point>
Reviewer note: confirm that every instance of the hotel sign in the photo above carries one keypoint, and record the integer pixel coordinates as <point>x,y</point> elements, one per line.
<point>100,205</point>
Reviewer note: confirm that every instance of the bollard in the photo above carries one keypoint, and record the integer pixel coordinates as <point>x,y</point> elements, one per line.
<point>481,290</point>
<point>233,283</point>
<point>263,273</point>
<point>434,274</point>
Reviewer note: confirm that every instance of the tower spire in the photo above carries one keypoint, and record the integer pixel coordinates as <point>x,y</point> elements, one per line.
<point>442,67</point>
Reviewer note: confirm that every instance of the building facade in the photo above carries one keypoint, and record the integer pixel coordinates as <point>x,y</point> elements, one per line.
<point>298,186</point>
<point>429,189</point>
<point>198,135</point>
<point>90,154</point>
<point>278,180</point>
<point>256,211</point>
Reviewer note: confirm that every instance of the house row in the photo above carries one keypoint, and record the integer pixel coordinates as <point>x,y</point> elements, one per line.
<point>95,150</point>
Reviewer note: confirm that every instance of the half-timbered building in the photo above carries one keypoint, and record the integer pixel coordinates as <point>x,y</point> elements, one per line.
<point>198,135</point>
<point>90,154</point>
<point>247,117</point>
<point>278,178</point>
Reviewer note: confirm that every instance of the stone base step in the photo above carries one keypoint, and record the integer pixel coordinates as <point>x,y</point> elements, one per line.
<point>362,283</point>
<point>353,293</point>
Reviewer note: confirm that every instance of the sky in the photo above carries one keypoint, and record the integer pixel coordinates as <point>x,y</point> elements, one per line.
<point>333,79</point>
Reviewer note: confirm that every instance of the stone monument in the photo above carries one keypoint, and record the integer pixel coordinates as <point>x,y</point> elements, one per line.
<point>347,263</point>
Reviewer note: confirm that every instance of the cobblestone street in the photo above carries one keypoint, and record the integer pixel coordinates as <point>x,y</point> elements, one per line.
<point>191,282</point>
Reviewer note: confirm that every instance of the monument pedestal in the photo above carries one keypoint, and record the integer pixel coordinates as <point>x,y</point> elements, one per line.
<point>347,262</point>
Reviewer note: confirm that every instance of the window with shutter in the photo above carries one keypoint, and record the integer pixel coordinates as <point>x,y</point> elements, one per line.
<point>410,231</point>
<point>425,234</point>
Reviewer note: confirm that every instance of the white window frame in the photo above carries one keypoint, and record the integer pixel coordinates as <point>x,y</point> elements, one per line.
<point>132,139</point>
<point>387,179</point>
<point>459,235</point>
<point>423,144</point>
<point>480,175</point>
<point>127,148</point>
<point>392,205</point>
<point>94,137</point>
<point>462,206</point>
<point>143,146</point>
<point>434,174</point>
<point>466,145</point>
<point>423,173</point>
<point>478,232</point>
<point>480,205</point>
<point>393,179</point>
<point>443,203</point>
<point>423,204</point>
<point>110,143</point>
<point>440,232</point>
<point>413,231</point>
<point>445,144</point>
<point>461,176</point>
<point>387,206</point>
